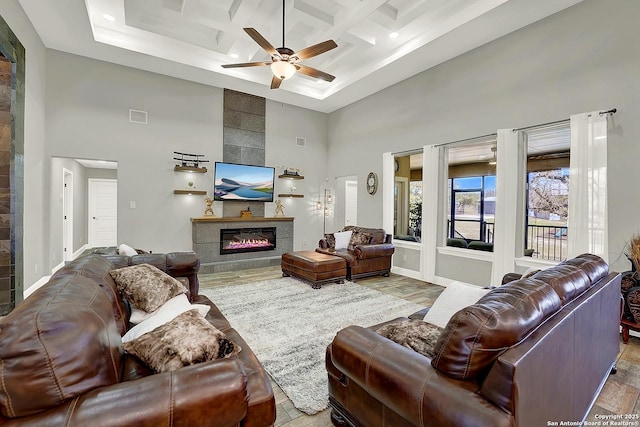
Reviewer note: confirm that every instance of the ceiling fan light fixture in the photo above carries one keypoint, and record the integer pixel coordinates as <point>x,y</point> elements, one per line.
<point>494,160</point>
<point>283,69</point>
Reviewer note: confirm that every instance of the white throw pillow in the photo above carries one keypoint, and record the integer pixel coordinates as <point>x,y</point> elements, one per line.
<point>126,250</point>
<point>454,298</point>
<point>167,312</point>
<point>139,316</point>
<point>342,239</point>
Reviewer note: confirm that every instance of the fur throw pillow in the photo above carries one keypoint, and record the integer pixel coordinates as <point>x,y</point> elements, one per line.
<point>359,238</point>
<point>183,341</point>
<point>414,334</point>
<point>331,240</point>
<point>145,286</point>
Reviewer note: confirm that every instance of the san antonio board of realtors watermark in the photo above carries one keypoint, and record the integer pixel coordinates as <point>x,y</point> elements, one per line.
<point>609,420</point>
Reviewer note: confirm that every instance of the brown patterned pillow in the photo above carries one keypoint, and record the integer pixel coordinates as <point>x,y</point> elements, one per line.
<point>331,240</point>
<point>414,334</point>
<point>146,286</point>
<point>359,238</point>
<point>183,341</point>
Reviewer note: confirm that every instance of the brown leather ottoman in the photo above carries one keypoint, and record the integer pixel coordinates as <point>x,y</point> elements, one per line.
<point>314,267</point>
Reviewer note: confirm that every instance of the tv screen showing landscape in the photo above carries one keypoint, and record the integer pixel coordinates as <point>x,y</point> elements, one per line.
<point>235,182</point>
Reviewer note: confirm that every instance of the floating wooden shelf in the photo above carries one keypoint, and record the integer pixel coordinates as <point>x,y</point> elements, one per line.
<point>193,192</point>
<point>291,176</point>
<point>291,195</point>
<point>189,169</point>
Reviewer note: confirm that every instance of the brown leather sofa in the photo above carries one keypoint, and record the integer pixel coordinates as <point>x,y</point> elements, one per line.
<point>62,362</point>
<point>370,259</point>
<point>532,351</point>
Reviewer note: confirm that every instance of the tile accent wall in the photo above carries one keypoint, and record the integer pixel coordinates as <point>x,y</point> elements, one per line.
<point>243,140</point>
<point>12,63</point>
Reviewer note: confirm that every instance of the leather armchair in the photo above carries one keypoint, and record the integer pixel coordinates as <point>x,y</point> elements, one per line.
<point>371,259</point>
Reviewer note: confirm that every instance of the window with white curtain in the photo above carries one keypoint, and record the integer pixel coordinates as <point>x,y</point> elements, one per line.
<point>564,162</point>
<point>547,192</point>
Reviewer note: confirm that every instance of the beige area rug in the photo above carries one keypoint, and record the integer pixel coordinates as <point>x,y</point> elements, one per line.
<point>289,325</point>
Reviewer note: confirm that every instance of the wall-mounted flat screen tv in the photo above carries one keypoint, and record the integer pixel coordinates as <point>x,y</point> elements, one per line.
<point>243,183</point>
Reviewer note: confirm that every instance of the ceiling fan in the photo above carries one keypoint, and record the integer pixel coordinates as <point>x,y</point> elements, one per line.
<point>284,61</point>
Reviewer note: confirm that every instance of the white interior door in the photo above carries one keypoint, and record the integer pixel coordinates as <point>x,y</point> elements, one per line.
<point>351,203</point>
<point>103,212</point>
<point>67,215</point>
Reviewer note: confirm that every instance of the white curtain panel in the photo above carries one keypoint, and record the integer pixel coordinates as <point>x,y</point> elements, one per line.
<point>587,224</point>
<point>506,210</point>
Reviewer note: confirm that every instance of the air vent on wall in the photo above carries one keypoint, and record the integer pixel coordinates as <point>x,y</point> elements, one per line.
<point>301,142</point>
<point>138,116</point>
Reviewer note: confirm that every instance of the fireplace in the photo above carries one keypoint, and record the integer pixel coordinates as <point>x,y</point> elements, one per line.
<point>239,240</point>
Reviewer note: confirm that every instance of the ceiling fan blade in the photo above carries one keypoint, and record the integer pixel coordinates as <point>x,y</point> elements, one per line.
<point>246,64</point>
<point>275,82</point>
<point>316,49</point>
<point>257,37</point>
<point>312,72</point>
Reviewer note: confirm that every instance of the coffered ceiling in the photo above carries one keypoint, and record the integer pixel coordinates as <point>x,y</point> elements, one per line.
<point>192,39</point>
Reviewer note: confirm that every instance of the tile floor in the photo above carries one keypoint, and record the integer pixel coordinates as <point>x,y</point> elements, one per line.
<point>620,394</point>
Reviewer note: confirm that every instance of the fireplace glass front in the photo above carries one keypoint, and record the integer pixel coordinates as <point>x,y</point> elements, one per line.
<point>239,240</point>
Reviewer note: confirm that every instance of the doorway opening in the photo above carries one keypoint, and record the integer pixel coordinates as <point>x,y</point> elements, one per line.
<point>70,208</point>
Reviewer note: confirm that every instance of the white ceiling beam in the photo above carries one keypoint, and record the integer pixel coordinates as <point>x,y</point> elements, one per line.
<point>388,11</point>
<point>176,5</point>
<point>312,11</point>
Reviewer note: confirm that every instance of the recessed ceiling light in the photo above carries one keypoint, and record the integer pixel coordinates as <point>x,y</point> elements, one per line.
<point>108,17</point>
<point>234,55</point>
<point>393,35</point>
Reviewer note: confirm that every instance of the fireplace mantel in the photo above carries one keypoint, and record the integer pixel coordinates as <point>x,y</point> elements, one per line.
<point>206,242</point>
<point>239,219</point>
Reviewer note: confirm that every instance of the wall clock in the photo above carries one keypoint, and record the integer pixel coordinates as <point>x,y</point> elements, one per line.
<point>372,183</point>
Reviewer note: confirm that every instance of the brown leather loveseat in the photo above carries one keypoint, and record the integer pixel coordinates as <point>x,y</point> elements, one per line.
<point>532,352</point>
<point>372,257</point>
<point>62,362</point>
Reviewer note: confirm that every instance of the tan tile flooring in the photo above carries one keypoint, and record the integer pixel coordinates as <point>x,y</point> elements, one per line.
<point>620,394</point>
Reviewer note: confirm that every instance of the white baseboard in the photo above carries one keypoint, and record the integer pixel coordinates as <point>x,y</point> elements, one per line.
<point>406,272</point>
<point>31,289</point>
<point>57,267</point>
<point>79,252</point>
<point>443,281</point>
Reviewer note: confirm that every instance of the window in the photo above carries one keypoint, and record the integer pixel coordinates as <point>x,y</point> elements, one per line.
<point>547,198</point>
<point>472,195</point>
<point>408,197</point>
<point>471,215</point>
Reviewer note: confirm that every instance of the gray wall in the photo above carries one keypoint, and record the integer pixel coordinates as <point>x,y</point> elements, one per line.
<point>285,123</point>
<point>87,117</point>
<point>582,59</point>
